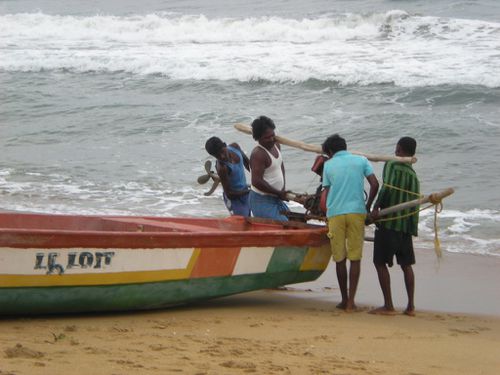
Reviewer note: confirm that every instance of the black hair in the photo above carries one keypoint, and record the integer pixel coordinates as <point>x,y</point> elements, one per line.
<point>408,145</point>
<point>260,125</point>
<point>333,144</point>
<point>214,145</point>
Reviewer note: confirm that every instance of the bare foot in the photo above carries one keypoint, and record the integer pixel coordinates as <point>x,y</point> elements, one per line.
<point>409,312</point>
<point>382,311</point>
<point>351,308</point>
<point>341,305</point>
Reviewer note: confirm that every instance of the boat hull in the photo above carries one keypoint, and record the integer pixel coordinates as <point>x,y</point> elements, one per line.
<point>50,270</point>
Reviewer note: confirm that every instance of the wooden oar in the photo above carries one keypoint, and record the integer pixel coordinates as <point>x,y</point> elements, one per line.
<point>431,198</point>
<point>434,198</point>
<point>317,148</point>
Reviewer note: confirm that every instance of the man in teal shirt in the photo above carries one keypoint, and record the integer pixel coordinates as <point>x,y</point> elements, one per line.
<point>344,175</point>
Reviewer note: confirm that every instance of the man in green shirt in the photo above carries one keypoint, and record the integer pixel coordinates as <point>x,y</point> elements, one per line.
<point>394,232</point>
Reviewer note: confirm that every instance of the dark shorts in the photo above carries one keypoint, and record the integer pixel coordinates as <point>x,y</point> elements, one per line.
<point>388,243</point>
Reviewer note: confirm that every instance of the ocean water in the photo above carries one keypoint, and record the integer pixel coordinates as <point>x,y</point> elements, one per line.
<point>105,106</point>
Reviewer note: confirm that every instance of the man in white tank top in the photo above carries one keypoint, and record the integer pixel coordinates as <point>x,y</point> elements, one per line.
<point>268,173</point>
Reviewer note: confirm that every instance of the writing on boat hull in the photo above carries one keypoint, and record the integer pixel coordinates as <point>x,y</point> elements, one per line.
<point>54,263</point>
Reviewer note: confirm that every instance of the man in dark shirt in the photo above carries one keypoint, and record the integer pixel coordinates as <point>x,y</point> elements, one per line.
<point>393,235</point>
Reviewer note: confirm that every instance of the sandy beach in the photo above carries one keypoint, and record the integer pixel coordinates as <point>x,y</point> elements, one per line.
<point>105,110</point>
<point>279,332</point>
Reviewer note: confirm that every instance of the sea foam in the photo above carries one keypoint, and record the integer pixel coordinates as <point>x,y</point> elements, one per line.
<point>393,47</point>
<point>472,231</point>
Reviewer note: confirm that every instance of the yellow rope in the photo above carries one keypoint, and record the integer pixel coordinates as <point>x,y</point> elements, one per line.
<point>437,245</point>
<point>401,216</point>
<point>438,207</point>
<point>403,190</point>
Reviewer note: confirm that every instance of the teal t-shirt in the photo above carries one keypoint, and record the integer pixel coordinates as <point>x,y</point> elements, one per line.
<point>345,174</point>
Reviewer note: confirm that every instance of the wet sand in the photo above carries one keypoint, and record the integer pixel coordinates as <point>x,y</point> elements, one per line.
<point>459,283</point>
<point>280,331</point>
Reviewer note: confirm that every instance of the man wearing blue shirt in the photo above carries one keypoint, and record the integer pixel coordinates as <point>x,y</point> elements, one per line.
<point>230,166</point>
<point>343,176</point>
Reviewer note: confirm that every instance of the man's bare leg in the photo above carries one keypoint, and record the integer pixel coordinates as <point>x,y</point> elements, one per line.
<point>384,279</point>
<point>410,289</point>
<point>341,269</point>
<point>354,271</point>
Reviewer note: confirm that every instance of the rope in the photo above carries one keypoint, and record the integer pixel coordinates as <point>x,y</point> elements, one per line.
<point>401,216</point>
<point>403,190</point>
<point>438,207</point>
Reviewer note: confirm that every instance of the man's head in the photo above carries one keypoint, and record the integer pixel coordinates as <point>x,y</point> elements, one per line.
<point>334,144</point>
<point>406,146</point>
<point>215,147</point>
<point>263,131</point>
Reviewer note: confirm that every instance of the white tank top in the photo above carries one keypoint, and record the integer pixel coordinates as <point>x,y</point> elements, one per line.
<point>273,175</point>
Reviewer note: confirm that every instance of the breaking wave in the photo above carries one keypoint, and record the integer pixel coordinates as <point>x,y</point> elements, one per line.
<point>394,47</point>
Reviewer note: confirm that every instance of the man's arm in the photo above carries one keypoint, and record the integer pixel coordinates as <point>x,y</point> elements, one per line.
<point>283,171</point>
<point>386,172</point>
<point>283,191</point>
<point>372,180</point>
<point>246,161</point>
<point>224,179</point>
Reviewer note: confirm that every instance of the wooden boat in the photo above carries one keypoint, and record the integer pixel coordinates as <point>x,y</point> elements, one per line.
<point>68,263</point>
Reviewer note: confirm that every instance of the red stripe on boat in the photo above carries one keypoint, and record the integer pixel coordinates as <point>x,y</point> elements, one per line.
<point>215,261</point>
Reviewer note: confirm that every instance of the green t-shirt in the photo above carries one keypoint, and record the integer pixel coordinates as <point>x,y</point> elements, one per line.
<point>400,184</point>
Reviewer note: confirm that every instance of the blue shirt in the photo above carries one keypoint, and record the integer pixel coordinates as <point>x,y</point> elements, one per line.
<point>236,171</point>
<point>345,174</point>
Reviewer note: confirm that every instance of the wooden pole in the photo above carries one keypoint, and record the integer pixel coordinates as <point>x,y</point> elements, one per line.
<point>317,149</point>
<point>432,198</point>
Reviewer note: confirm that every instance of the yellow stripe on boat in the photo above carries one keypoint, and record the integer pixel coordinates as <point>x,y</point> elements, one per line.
<point>317,258</point>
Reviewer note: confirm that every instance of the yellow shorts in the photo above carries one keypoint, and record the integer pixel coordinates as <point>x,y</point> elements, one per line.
<point>347,235</point>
